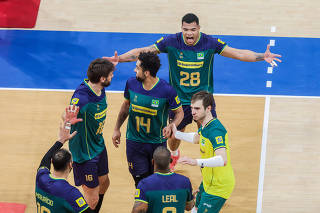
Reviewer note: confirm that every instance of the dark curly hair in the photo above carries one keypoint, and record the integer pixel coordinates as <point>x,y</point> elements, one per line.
<point>149,61</point>
<point>99,68</point>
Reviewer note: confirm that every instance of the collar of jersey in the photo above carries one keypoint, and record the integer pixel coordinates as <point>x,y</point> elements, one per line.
<point>152,86</point>
<point>85,81</point>
<point>194,43</point>
<point>56,178</point>
<point>207,124</point>
<point>159,173</point>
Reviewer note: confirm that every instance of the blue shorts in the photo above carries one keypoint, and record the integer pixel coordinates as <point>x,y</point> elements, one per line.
<point>139,156</point>
<point>87,173</point>
<point>187,119</point>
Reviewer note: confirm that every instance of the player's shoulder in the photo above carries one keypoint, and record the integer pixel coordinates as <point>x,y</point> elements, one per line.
<point>133,83</point>
<point>42,171</point>
<point>181,178</point>
<point>132,80</point>
<point>165,86</point>
<point>215,128</point>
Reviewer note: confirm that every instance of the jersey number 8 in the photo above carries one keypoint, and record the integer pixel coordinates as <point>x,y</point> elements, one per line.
<point>193,78</point>
<point>169,209</point>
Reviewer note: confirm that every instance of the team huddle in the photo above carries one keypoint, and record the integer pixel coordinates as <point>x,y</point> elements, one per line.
<point>157,113</point>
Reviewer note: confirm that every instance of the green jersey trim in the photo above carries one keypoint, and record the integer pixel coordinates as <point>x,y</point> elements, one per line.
<point>152,86</point>
<point>143,201</point>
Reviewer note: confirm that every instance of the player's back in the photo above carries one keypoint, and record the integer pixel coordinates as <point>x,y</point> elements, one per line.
<point>56,194</point>
<point>165,192</point>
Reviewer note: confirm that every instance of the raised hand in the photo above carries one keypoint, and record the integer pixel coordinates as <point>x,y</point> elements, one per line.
<point>71,115</point>
<point>114,59</point>
<point>270,57</point>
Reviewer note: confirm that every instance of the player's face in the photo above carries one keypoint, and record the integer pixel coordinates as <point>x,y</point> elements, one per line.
<point>140,76</point>
<point>190,32</point>
<point>198,111</point>
<point>107,82</point>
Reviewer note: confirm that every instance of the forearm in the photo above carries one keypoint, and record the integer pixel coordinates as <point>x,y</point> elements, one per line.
<point>46,160</point>
<point>122,116</point>
<point>178,116</point>
<point>133,54</point>
<point>190,137</point>
<point>250,56</point>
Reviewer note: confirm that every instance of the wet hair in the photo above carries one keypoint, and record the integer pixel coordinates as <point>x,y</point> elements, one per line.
<point>61,159</point>
<point>162,158</point>
<point>149,61</point>
<point>189,18</point>
<point>206,97</point>
<point>99,68</point>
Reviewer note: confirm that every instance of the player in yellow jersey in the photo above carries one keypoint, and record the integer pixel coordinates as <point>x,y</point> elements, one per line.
<point>217,173</point>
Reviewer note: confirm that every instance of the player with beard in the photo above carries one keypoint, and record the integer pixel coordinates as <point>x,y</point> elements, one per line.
<point>148,101</point>
<point>90,159</point>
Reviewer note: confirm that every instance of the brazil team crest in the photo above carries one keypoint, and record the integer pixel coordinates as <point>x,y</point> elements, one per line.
<point>200,55</point>
<point>155,103</point>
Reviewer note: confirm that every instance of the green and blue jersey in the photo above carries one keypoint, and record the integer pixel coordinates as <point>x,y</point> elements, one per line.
<point>164,192</point>
<point>57,195</point>
<point>190,67</point>
<point>88,142</point>
<point>148,112</point>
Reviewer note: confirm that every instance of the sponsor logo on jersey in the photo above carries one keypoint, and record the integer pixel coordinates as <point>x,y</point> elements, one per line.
<point>74,101</point>
<point>144,110</point>
<point>200,55</point>
<point>81,202</point>
<point>189,65</point>
<point>177,100</point>
<point>219,139</point>
<point>221,42</point>
<point>181,55</point>
<point>137,194</point>
<point>203,141</point>
<point>160,39</point>
<point>135,98</point>
<point>100,114</point>
<point>155,103</point>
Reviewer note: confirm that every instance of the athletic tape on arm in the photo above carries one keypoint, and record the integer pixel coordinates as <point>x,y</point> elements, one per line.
<point>215,161</point>
<point>188,137</point>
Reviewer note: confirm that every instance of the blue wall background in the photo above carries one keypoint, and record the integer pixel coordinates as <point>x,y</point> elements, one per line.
<point>59,60</point>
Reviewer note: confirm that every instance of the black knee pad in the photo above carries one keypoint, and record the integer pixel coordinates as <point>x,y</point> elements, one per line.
<point>137,178</point>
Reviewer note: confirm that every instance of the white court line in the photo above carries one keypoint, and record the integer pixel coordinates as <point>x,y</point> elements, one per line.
<point>118,91</point>
<point>263,153</point>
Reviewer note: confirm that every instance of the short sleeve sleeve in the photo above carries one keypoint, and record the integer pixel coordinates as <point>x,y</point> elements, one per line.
<point>174,101</point>
<point>126,91</point>
<point>79,99</point>
<point>217,139</point>
<point>217,44</point>
<point>140,194</point>
<point>78,202</point>
<point>161,44</point>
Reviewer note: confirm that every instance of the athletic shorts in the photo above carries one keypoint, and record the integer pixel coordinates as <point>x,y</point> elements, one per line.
<point>139,156</point>
<point>187,119</point>
<point>87,173</point>
<point>207,203</point>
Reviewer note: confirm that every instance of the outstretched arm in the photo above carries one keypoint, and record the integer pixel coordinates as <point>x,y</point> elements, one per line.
<point>132,55</point>
<point>250,56</point>
<point>178,117</point>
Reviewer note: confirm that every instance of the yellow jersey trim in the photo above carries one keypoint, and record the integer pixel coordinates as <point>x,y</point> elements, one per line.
<point>144,110</point>
<point>156,48</point>
<point>169,173</point>
<point>176,108</point>
<point>223,49</point>
<point>90,87</point>
<point>152,86</point>
<point>84,209</point>
<point>143,201</point>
